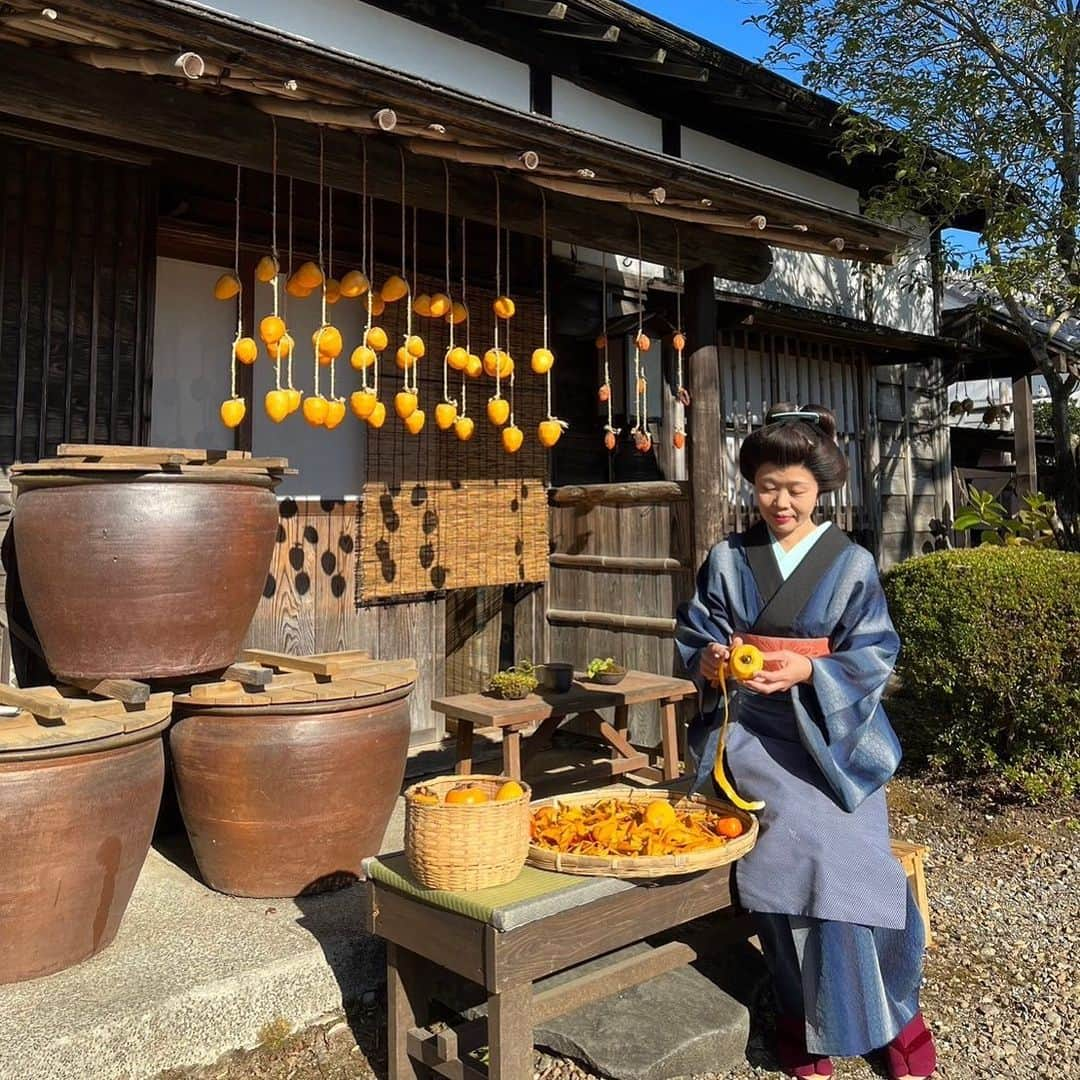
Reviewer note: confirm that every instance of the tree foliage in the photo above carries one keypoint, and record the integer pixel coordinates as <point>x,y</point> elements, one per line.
<point>974,102</point>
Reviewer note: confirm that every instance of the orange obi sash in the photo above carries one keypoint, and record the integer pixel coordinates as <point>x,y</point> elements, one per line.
<point>811,647</point>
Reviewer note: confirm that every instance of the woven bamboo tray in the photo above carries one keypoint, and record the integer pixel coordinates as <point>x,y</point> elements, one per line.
<point>462,848</point>
<point>645,866</point>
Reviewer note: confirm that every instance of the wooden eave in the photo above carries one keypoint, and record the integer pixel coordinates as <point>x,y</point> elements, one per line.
<point>890,346</point>
<point>723,219</point>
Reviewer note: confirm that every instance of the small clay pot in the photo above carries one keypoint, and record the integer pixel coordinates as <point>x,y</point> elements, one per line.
<point>556,678</point>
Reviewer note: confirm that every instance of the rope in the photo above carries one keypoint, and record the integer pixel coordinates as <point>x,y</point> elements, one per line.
<point>468,321</point>
<point>508,321</point>
<point>498,281</point>
<point>446,222</point>
<point>408,301</point>
<point>288,362</point>
<point>318,335</point>
<point>275,281</point>
<point>364,244</point>
<point>239,295</point>
<point>678,307</point>
<point>371,287</point>
<point>603,332</point>
<point>637,338</point>
<point>544,285</point>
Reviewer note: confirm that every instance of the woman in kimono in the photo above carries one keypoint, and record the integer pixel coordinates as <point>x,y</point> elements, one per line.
<point>839,927</point>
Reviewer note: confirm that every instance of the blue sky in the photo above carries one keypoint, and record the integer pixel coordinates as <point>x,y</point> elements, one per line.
<point>718,20</point>
<point>724,21</point>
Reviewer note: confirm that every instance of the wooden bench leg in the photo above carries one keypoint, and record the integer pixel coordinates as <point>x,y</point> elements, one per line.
<point>510,1034</point>
<point>464,748</point>
<point>511,749</point>
<point>669,728</point>
<point>406,1008</point>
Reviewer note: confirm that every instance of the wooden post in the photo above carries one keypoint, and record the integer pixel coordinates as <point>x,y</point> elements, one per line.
<point>706,424</point>
<point>1024,437</point>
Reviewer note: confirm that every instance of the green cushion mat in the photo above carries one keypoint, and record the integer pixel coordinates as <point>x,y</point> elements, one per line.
<point>532,895</point>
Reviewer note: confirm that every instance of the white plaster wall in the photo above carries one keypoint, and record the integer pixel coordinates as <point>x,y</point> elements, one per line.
<point>192,336</point>
<point>330,462</point>
<point>902,295</point>
<point>725,157</point>
<point>383,38</point>
<point>582,109</point>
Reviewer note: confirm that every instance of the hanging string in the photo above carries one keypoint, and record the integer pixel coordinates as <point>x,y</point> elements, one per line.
<point>498,281</point>
<point>450,297</point>
<point>413,367</point>
<point>508,353</point>
<point>637,338</point>
<point>604,339</point>
<point>275,282</point>
<point>364,245</point>
<point>678,310</point>
<point>318,335</point>
<point>371,284</point>
<point>544,286</point>
<point>468,321</point>
<point>273,222</point>
<point>330,270</point>
<point>288,360</point>
<point>239,296</point>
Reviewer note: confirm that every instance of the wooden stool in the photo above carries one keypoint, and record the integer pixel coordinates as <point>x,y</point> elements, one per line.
<point>507,940</point>
<point>913,859</point>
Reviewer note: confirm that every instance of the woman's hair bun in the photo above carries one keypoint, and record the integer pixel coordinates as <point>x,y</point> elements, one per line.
<point>826,420</point>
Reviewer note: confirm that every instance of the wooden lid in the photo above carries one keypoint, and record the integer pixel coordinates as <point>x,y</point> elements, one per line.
<point>301,680</point>
<point>82,462</point>
<point>48,720</point>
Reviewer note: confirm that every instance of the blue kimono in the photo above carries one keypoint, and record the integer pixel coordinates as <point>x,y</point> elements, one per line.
<point>836,918</point>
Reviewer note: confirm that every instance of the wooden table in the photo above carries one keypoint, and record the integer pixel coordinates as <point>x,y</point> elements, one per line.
<point>548,710</point>
<point>427,945</point>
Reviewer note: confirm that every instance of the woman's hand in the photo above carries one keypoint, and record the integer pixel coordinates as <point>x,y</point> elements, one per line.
<point>794,668</point>
<point>714,657</point>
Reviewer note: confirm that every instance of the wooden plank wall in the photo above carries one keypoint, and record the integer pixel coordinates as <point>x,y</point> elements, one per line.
<point>914,471</point>
<point>76,289</point>
<point>309,604</point>
<point>760,369</point>
<point>601,521</point>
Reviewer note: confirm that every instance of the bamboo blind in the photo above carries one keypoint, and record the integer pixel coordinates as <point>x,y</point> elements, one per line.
<point>450,534</point>
<point>439,513</point>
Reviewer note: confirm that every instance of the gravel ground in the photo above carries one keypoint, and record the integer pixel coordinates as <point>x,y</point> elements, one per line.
<point>1002,987</point>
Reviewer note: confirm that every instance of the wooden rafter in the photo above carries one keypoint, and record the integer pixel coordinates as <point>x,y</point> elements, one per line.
<point>484,126</point>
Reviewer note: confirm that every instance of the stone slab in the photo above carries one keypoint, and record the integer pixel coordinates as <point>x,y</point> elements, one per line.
<point>682,1023</point>
<point>191,976</point>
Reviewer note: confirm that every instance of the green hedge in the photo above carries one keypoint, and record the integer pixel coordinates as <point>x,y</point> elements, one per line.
<point>990,663</point>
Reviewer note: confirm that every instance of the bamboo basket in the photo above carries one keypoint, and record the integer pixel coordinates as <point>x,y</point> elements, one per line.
<point>645,866</point>
<point>462,848</point>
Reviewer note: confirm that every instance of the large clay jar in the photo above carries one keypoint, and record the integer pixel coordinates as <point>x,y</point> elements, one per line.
<point>75,828</point>
<point>280,800</point>
<point>165,570</point>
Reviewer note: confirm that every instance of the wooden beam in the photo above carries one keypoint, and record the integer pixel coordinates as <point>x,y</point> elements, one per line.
<point>1024,437</point>
<point>534,9</point>
<point>278,55</point>
<point>627,494</point>
<point>585,32</point>
<point>611,620</point>
<point>44,88</point>
<point>686,72</point>
<point>706,417</point>
<point>633,563</point>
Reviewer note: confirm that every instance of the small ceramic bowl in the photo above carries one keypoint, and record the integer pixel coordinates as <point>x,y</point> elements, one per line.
<point>610,678</point>
<point>555,678</point>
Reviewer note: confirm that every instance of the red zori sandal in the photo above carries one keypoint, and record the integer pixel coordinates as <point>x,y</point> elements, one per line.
<point>795,1059</point>
<point>911,1055</point>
